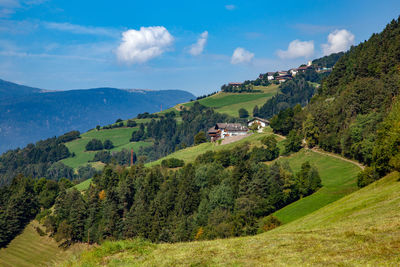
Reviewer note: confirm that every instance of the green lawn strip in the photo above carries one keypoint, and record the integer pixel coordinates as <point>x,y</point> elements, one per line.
<point>31,249</point>
<point>338,180</point>
<point>233,110</point>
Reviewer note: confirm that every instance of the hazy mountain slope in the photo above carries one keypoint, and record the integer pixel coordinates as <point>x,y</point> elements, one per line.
<point>28,117</point>
<point>11,90</point>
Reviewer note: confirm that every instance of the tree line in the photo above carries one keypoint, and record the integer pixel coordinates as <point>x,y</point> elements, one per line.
<point>221,194</point>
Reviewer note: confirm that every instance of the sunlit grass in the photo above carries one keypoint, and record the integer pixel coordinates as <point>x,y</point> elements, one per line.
<point>361,229</point>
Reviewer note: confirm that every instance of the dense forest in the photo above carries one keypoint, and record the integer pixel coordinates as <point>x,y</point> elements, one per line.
<point>355,112</point>
<point>327,61</point>
<point>21,201</point>
<point>38,160</point>
<point>292,92</point>
<point>43,160</point>
<point>221,194</point>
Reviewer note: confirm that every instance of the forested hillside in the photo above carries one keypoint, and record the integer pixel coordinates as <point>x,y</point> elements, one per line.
<point>221,194</point>
<point>355,110</point>
<point>29,114</point>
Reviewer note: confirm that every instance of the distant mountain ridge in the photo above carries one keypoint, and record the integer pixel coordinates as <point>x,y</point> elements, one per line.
<point>28,114</point>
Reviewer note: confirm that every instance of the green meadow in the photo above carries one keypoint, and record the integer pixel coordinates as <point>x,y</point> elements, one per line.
<point>338,180</point>
<point>119,136</point>
<point>230,103</point>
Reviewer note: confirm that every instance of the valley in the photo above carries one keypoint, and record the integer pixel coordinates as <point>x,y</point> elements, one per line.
<point>298,167</point>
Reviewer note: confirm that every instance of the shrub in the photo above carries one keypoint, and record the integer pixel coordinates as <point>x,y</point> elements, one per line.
<point>172,163</point>
<point>200,138</point>
<point>69,136</point>
<point>94,145</point>
<point>103,156</point>
<point>292,142</point>
<point>367,176</point>
<point>131,123</point>
<point>108,144</point>
<point>243,113</point>
<point>268,223</point>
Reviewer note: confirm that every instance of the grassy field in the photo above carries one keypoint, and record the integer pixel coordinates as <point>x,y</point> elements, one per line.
<point>30,249</point>
<point>361,229</point>
<point>230,103</point>
<point>119,136</point>
<point>338,180</point>
<point>191,153</point>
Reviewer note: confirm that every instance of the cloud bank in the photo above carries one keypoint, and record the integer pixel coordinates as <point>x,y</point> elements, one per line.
<point>197,48</point>
<point>241,55</point>
<point>338,41</point>
<point>144,44</point>
<point>297,49</point>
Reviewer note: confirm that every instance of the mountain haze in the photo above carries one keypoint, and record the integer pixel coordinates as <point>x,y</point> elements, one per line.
<point>29,114</point>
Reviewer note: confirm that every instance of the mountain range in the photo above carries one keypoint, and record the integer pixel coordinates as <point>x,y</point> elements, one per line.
<point>28,114</point>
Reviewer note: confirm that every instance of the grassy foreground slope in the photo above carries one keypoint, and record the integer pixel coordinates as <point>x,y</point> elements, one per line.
<point>362,228</point>
<point>31,249</point>
<point>338,179</point>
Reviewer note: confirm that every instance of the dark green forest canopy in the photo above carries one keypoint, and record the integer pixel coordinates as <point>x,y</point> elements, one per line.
<point>351,113</point>
<point>327,61</point>
<point>222,193</point>
<point>22,199</point>
<point>37,160</point>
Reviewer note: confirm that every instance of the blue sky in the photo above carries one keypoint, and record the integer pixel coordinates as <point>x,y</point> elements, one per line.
<point>191,45</point>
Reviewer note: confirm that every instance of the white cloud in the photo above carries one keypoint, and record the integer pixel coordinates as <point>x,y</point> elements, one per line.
<point>197,48</point>
<point>79,29</point>
<point>297,49</point>
<point>143,45</point>
<point>241,55</point>
<point>338,41</point>
<point>230,7</point>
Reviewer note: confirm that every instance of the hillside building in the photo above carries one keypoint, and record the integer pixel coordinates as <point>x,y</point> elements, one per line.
<point>235,84</point>
<point>222,130</point>
<point>262,123</point>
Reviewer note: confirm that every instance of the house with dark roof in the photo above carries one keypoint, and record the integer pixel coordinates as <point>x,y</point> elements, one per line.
<point>222,130</point>
<point>235,84</point>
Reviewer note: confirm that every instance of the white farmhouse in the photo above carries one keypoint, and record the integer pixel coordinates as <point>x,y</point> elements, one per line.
<point>262,123</point>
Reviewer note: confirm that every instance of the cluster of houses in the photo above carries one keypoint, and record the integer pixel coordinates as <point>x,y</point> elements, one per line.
<point>282,76</point>
<point>223,130</point>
